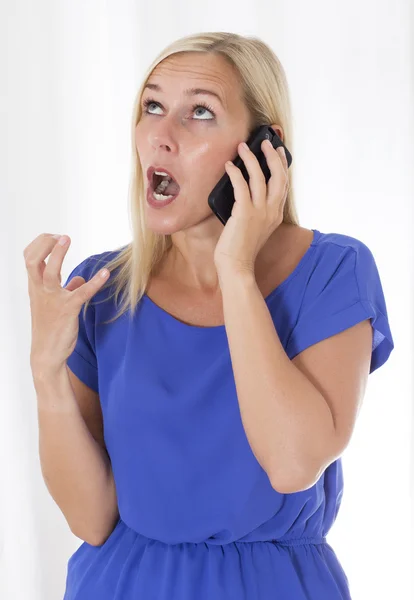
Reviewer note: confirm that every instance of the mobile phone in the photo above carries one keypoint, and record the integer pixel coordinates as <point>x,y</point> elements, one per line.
<point>221,198</point>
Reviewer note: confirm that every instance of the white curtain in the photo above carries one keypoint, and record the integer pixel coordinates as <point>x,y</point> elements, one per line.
<point>69,74</point>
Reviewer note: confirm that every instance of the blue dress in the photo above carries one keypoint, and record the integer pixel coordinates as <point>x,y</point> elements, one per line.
<point>199,519</point>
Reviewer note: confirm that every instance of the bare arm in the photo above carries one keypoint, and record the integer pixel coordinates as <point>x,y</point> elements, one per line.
<point>298,414</point>
<point>75,464</point>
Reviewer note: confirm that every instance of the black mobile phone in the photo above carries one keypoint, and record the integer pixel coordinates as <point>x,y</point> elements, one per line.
<point>221,198</point>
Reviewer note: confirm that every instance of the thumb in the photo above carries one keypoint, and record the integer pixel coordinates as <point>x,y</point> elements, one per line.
<point>75,283</point>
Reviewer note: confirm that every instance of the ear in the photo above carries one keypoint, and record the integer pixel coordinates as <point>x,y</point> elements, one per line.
<point>278,129</point>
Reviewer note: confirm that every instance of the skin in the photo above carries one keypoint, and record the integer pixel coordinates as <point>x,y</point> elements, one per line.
<point>193,145</point>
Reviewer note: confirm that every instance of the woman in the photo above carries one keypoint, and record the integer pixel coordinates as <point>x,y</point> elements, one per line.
<point>220,396</point>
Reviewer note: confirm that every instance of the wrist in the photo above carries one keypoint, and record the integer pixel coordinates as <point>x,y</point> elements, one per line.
<point>230,274</point>
<point>44,373</point>
<point>54,392</point>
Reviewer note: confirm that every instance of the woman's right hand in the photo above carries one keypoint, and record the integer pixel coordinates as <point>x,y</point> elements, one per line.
<point>54,309</point>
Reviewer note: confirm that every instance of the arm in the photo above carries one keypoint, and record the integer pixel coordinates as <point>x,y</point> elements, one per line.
<point>75,467</point>
<point>294,429</point>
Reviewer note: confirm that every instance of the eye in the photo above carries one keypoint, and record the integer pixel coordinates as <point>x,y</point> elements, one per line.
<point>201,105</point>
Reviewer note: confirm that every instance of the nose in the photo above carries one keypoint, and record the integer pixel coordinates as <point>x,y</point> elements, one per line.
<point>162,136</point>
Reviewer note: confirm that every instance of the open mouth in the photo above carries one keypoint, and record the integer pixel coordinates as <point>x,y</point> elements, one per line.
<point>163,185</point>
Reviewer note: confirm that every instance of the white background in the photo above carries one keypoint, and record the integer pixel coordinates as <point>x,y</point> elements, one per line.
<point>69,75</point>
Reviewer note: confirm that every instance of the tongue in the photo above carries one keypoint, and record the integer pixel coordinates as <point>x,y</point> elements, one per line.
<point>172,188</point>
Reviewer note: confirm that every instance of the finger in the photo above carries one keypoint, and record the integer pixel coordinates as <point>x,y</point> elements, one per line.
<point>35,255</point>
<point>34,243</point>
<point>282,155</point>
<point>257,181</point>
<point>74,283</point>
<point>90,288</point>
<point>240,186</point>
<point>279,179</point>
<point>52,271</point>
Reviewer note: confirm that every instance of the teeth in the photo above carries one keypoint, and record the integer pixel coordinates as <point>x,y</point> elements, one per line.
<point>161,196</point>
<point>162,185</point>
<point>167,177</point>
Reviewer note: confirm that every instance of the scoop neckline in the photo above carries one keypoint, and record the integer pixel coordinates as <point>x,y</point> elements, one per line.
<point>269,297</point>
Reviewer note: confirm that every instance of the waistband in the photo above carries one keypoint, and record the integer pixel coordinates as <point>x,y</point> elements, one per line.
<point>301,541</point>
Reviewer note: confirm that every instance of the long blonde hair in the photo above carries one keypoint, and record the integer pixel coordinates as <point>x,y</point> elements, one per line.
<point>266,95</point>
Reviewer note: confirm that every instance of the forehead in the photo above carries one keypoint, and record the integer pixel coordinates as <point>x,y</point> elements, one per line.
<point>198,70</point>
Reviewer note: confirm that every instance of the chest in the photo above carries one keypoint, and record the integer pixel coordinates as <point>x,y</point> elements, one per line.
<point>206,310</point>
<point>187,307</point>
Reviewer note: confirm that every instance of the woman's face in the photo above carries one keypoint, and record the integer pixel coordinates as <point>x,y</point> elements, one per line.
<point>189,140</point>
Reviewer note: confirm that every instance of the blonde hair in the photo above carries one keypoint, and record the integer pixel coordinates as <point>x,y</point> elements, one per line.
<point>266,96</point>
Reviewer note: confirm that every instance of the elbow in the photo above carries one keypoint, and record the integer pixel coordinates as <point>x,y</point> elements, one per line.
<point>96,543</point>
<point>86,536</point>
<point>294,481</point>
<point>304,476</point>
<point>291,486</point>
<point>97,538</point>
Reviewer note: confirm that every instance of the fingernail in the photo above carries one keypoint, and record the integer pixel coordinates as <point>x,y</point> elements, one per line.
<point>282,151</point>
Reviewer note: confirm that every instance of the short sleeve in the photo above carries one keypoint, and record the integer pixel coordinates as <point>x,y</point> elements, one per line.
<point>83,360</point>
<point>344,289</point>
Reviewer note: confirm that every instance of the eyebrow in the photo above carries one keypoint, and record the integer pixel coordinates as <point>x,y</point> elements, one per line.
<point>189,92</point>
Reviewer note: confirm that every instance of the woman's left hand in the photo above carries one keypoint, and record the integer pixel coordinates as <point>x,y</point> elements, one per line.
<point>257,211</point>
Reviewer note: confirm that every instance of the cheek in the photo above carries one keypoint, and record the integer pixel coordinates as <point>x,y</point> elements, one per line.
<point>140,137</point>
<point>138,143</point>
<point>206,162</point>
<point>198,156</point>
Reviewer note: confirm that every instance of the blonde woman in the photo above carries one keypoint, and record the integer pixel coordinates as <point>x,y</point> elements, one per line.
<point>192,433</point>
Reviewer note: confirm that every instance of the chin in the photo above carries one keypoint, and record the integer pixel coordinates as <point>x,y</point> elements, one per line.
<point>162,228</point>
<point>168,224</point>
<point>164,225</point>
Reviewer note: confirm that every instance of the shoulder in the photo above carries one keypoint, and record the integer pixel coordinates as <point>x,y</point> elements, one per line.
<point>340,242</point>
<point>342,273</point>
<point>87,269</point>
<point>318,249</point>
<point>346,258</point>
<point>296,237</point>
<point>337,267</point>
<point>340,287</point>
<point>92,264</point>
